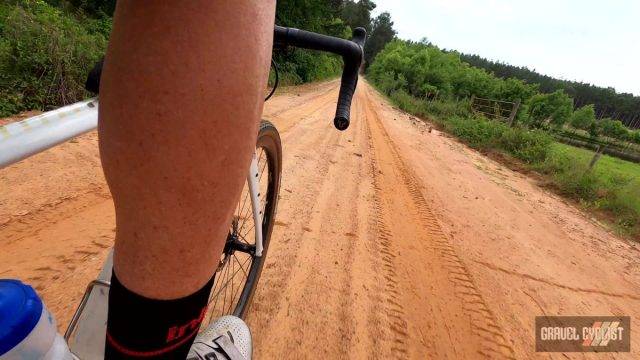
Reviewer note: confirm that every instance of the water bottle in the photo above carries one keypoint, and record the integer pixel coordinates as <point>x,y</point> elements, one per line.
<point>27,329</point>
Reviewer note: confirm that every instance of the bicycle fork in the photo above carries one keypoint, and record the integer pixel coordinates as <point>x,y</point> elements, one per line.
<point>254,188</point>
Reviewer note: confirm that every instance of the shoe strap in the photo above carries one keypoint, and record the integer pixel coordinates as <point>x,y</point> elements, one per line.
<point>229,349</point>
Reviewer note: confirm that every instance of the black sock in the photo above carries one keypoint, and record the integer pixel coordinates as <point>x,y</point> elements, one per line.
<point>153,329</point>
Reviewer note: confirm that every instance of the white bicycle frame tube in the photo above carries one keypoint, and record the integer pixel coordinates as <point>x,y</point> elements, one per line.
<point>24,138</point>
<point>254,187</point>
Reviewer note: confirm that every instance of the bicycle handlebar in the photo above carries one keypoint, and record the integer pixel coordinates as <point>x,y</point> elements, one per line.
<point>350,50</point>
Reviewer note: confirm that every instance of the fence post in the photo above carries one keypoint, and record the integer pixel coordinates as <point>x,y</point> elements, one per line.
<point>596,156</point>
<point>514,111</point>
<point>473,97</point>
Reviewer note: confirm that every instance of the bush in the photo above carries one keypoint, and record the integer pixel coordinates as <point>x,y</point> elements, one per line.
<point>478,132</point>
<point>301,66</point>
<point>448,108</point>
<point>614,129</point>
<point>45,56</point>
<point>624,203</point>
<point>407,102</point>
<point>530,146</point>
<point>584,117</point>
<point>577,183</point>
<point>422,70</point>
<point>555,107</point>
<point>441,109</point>
<point>388,82</point>
<point>481,133</point>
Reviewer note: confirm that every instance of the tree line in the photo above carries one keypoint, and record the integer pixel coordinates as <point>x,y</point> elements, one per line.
<point>606,101</point>
<point>424,71</point>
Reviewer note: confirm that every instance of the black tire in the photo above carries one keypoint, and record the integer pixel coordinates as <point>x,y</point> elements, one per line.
<point>236,301</point>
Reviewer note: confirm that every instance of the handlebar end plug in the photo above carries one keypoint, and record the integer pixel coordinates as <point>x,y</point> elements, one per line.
<point>341,123</point>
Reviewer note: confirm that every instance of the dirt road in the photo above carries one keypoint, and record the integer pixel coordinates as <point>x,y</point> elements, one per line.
<point>392,241</point>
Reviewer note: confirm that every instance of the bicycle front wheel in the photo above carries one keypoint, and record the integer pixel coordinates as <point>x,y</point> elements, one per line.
<point>239,268</point>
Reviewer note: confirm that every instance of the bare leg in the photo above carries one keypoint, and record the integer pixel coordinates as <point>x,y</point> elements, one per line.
<point>181,98</point>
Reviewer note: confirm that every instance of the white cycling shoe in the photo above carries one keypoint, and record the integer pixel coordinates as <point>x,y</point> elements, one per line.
<point>228,338</point>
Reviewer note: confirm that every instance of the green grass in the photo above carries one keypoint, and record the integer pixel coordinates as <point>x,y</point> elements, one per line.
<point>608,166</point>
<point>611,188</point>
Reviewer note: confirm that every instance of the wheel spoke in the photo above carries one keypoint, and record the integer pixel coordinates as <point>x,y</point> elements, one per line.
<point>227,282</point>
<point>231,283</point>
<point>241,208</point>
<point>247,233</point>
<point>233,293</point>
<point>263,167</point>
<point>241,267</point>
<point>215,286</point>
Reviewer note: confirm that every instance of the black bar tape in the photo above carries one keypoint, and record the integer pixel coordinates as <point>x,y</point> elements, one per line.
<point>350,50</point>
<point>93,79</point>
<point>140,327</point>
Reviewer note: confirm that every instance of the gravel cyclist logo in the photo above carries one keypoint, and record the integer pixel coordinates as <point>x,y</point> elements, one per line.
<point>583,333</point>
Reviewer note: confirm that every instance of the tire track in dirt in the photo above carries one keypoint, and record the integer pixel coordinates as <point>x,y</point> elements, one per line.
<point>29,224</point>
<point>325,286</point>
<point>310,160</point>
<point>59,249</point>
<point>478,326</point>
<point>382,247</point>
<point>287,116</point>
<point>276,108</point>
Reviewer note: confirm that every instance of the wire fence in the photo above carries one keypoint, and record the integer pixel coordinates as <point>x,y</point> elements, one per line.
<point>495,109</point>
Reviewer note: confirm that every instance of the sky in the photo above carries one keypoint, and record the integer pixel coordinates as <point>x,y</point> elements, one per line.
<point>596,42</point>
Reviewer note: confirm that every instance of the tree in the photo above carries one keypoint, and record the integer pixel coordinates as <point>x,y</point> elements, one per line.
<point>358,14</point>
<point>322,16</point>
<point>583,117</point>
<point>594,130</point>
<point>93,8</point>
<point>313,15</point>
<point>614,129</point>
<point>422,70</point>
<point>381,33</point>
<point>513,90</point>
<point>555,108</point>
